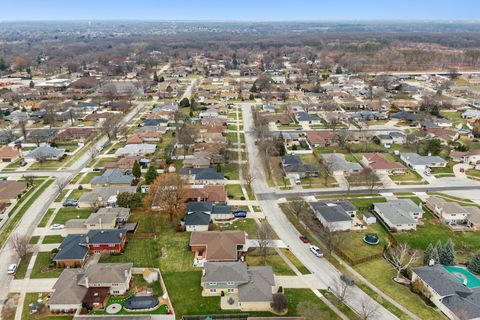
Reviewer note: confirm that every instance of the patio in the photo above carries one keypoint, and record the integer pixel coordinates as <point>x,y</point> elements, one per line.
<point>229,302</point>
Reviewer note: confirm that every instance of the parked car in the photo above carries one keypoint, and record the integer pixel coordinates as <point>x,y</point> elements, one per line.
<point>23,164</point>
<point>12,268</point>
<point>97,169</point>
<point>57,226</point>
<point>316,251</point>
<point>240,213</point>
<point>70,203</point>
<point>347,279</point>
<point>304,239</point>
<point>427,173</point>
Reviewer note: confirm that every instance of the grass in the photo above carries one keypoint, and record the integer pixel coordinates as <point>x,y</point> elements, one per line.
<point>50,239</point>
<point>234,191</point>
<point>296,296</point>
<point>232,137</point>
<point>274,260</point>
<point>65,214</point>
<point>61,195</point>
<point>89,176</point>
<point>22,266</point>
<point>33,297</point>
<point>100,163</point>
<point>77,193</point>
<point>45,218</point>
<point>34,239</point>
<point>366,204</point>
<point>409,176</point>
<point>293,259</point>
<point>43,261</point>
<point>230,171</point>
<point>53,164</point>
<point>340,305</point>
<point>248,225</point>
<point>380,274</point>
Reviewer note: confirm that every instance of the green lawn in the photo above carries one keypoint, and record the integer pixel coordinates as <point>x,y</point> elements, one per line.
<point>295,296</point>
<point>50,239</point>
<point>77,193</point>
<point>274,260</point>
<point>34,239</point>
<point>340,305</point>
<point>89,176</point>
<point>22,266</point>
<point>230,171</point>
<point>142,252</point>
<point>53,164</point>
<point>33,297</point>
<point>232,137</point>
<point>44,261</point>
<point>366,204</point>
<point>61,195</point>
<point>234,191</point>
<point>46,217</point>
<point>65,214</point>
<point>409,176</point>
<point>248,225</point>
<point>293,259</point>
<point>380,274</point>
<point>100,163</point>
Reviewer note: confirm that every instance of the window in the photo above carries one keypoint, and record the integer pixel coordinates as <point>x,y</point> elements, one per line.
<point>230,283</point>
<point>212,283</point>
<point>213,290</point>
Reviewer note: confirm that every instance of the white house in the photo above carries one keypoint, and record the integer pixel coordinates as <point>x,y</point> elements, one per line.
<point>399,215</point>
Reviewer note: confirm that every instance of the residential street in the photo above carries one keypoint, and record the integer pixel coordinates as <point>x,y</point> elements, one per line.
<point>325,274</point>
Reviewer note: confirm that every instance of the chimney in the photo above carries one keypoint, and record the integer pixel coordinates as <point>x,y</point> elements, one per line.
<point>126,274</point>
<point>86,283</point>
<point>100,222</point>
<point>87,239</point>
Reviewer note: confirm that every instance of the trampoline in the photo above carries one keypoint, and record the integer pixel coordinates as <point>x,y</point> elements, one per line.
<point>371,239</point>
<point>140,303</point>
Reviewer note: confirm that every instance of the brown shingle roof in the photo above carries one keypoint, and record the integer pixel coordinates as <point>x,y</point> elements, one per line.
<point>220,245</point>
<point>7,152</point>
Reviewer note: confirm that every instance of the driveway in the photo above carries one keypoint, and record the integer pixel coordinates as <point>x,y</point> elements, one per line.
<point>457,170</point>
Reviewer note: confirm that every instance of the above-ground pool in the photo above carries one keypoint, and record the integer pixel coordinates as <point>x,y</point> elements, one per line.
<point>371,238</point>
<point>462,273</point>
<point>141,303</point>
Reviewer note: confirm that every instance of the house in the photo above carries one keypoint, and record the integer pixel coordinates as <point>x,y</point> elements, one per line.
<point>380,165</point>
<point>471,157</point>
<point>218,246</point>
<point>321,138</point>
<point>45,153</point>
<point>9,154</point>
<point>339,164</point>
<point>452,213</point>
<point>103,196</point>
<point>202,176</point>
<point>388,139</point>
<point>201,159</point>
<point>136,149</point>
<point>90,287</point>
<point>418,162</point>
<point>125,163</point>
<point>74,249</point>
<point>114,177</point>
<point>471,114</point>
<point>293,167</point>
<point>307,118</point>
<point>334,215</point>
<point>254,286</point>
<point>399,215</point>
<point>198,216</point>
<point>450,294</point>
<point>104,218</point>
<point>11,191</point>
<point>213,193</point>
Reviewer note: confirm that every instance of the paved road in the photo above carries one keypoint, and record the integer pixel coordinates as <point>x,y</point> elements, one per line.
<point>325,274</point>
<point>33,215</point>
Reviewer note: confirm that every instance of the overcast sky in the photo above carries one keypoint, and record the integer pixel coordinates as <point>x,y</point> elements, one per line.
<point>246,10</point>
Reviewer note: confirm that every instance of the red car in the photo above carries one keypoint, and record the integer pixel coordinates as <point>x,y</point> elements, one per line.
<point>304,239</point>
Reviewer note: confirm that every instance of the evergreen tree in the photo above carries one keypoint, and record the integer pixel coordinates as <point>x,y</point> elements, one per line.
<point>136,170</point>
<point>184,103</point>
<point>339,70</point>
<point>253,88</point>
<point>427,255</point>
<point>162,79</point>
<point>474,264</point>
<point>151,174</point>
<point>437,251</point>
<point>448,253</point>
<point>3,65</point>
<point>155,77</point>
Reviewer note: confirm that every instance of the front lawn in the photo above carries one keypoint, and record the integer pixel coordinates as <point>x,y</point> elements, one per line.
<point>89,176</point>
<point>142,252</point>
<point>22,266</point>
<point>50,239</point>
<point>293,259</point>
<point>248,225</point>
<point>77,193</point>
<point>234,191</point>
<point>43,267</point>
<point>409,176</point>
<point>65,214</point>
<point>230,171</point>
<point>45,218</point>
<point>274,260</point>
<point>33,298</point>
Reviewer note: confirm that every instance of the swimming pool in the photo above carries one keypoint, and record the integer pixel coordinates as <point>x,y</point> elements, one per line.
<point>462,273</point>
<point>141,303</point>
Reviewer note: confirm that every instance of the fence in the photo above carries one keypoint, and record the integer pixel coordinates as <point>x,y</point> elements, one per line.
<point>240,316</point>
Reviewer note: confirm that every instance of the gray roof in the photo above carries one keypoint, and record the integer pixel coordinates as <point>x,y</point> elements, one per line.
<point>200,206</point>
<point>45,151</point>
<point>221,209</point>
<point>119,212</point>
<point>113,176</point>
<point>137,149</point>
<point>203,173</point>
<point>259,288</point>
<point>398,211</point>
<point>197,219</point>
<point>303,116</point>
<point>330,212</point>
<point>99,217</point>
<point>416,159</point>
<point>339,163</point>
<point>66,290</point>
<point>291,160</point>
<point>71,248</point>
<point>106,273</point>
<point>225,272</point>
<point>105,193</point>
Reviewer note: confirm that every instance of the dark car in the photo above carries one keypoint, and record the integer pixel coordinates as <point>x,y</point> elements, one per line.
<point>304,239</point>
<point>97,169</point>
<point>70,203</point>
<point>347,279</point>
<point>240,213</point>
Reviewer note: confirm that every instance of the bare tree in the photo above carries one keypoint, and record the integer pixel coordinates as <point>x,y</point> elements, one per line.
<point>342,137</point>
<point>93,152</point>
<point>186,137</point>
<point>264,239</point>
<point>328,166</point>
<point>402,257</point>
<point>23,127</point>
<point>370,178</point>
<point>342,290</point>
<point>29,179</point>
<point>368,308</point>
<point>297,207</point>
<point>110,126</point>
<point>332,238</point>
<point>167,194</point>
<point>20,244</point>
<point>61,183</point>
<point>110,91</point>
<point>249,178</point>
<point>72,115</point>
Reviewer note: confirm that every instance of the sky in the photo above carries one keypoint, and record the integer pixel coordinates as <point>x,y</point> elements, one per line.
<point>240,10</point>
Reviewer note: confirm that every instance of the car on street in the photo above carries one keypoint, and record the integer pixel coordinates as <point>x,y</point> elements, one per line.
<point>57,226</point>
<point>316,251</point>
<point>347,279</point>
<point>240,213</point>
<point>304,239</point>
<point>427,173</point>
<point>12,268</point>
<point>70,203</point>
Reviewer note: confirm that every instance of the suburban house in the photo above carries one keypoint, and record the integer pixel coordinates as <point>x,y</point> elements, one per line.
<point>471,114</point>
<point>104,218</point>
<point>136,149</point>
<point>103,196</point>
<point>202,176</point>
<point>339,164</point>
<point>307,118</point>
<point>418,162</point>
<point>218,246</point>
<point>45,153</point>
<point>74,249</point>
<point>293,166</point>
<point>9,154</point>
<point>90,287</point>
<point>388,139</point>
<point>380,165</point>
<point>321,138</point>
<point>113,177</point>
<point>252,288</point>
<point>449,293</point>
<point>399,215</point>
<point>334,215</point>
<point>471,157</point>
<point>11,191</point>
<point>213,193</point>
<point>452,213</point>
<point>201,159</point>
<point>199,214</point>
